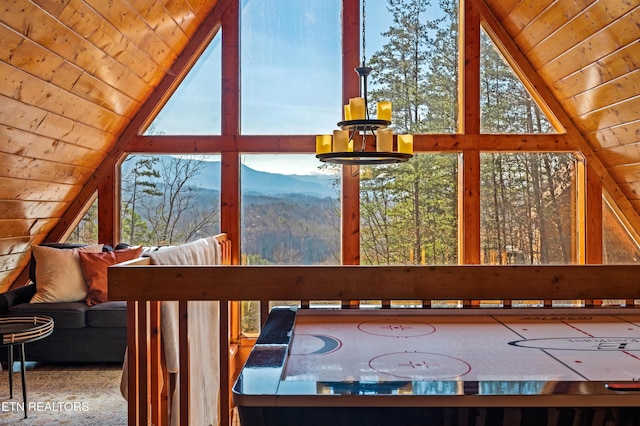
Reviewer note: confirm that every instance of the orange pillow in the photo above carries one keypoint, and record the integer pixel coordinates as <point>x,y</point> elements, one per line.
<point>94,270</point>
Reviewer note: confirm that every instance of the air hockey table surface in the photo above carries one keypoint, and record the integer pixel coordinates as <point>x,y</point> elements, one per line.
<point>443,358</point>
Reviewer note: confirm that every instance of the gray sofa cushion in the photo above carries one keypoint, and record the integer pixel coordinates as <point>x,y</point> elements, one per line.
<point>65,315</point>
<point>108,315</point>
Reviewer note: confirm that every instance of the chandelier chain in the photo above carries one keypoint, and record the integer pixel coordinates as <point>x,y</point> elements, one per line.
<point>364,21</point>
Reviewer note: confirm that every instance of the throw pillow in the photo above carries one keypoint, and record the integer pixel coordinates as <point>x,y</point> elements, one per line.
<point>94,269</point>
<point>59,275</point>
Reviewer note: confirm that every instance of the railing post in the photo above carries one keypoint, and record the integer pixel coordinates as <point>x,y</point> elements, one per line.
<point>132,364</point>
<point>183,345</point>
<point>225,403</point>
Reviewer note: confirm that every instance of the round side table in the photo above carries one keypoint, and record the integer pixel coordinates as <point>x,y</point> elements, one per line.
<point>18,330</point>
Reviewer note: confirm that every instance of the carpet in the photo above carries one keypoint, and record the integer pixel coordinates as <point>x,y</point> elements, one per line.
<point>67,395</point>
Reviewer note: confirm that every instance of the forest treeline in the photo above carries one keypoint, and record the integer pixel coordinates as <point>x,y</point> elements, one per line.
<point>409,211</point>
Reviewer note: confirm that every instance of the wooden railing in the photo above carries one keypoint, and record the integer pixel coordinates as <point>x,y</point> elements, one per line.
<point>149,384</point>
<point>142,283</point>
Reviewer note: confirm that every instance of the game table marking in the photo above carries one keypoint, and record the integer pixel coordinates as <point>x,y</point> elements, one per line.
<point>394,328</point>
<point>413,365</point>
<point>306,344</point>
<point>603,343</point>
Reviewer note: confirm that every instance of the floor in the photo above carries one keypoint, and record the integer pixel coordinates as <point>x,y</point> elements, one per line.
<point>93,387</point>
<point>63,394</point>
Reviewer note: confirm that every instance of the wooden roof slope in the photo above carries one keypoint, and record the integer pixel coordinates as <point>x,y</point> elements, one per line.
<point>74,74</point>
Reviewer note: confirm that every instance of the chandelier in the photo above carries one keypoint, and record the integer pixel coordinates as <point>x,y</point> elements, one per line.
<point>342,148</point>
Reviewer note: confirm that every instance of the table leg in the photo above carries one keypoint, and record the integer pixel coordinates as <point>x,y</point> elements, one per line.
<point>10,369</point>
<point>24,380</point>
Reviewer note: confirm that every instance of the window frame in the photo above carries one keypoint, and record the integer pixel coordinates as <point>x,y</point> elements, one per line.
<point>468,142</point>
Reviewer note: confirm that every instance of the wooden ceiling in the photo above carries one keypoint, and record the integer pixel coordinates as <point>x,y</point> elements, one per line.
<point>74,74</point>
<point>587,52</point>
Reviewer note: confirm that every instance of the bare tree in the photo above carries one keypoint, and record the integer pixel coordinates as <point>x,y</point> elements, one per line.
<point>169,207</point>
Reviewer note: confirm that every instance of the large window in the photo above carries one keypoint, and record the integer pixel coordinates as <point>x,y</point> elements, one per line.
<point>288,219</point>
<point>194,108</point>
<point>618,245</point>
<point>86,231</point>
<point>408,212</point>
<point>291,83</point>
<point>506,106</point>
<point>412,48</point>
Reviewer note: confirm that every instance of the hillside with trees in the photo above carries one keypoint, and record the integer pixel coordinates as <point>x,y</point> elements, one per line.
<point>168,200</point>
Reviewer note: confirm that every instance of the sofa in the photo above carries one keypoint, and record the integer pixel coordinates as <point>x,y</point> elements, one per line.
<point>85,330</point>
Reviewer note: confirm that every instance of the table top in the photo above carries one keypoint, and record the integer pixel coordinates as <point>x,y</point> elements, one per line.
<point>24,329</point>
<point>446,357</point>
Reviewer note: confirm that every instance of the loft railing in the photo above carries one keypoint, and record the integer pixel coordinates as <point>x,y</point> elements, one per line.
<point>142,283</point>
<point>149,384</point>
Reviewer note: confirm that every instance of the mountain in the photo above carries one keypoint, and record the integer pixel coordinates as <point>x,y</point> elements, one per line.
<point>254,181</point>
<point>257,182</point>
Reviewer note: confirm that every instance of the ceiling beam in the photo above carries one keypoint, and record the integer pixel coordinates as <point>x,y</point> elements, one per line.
<point>305,144</point>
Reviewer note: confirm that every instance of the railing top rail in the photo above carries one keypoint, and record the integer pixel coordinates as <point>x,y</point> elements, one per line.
<point>228,283</point>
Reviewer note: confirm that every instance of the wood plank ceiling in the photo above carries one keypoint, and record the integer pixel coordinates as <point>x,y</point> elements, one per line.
<point>74,73</point>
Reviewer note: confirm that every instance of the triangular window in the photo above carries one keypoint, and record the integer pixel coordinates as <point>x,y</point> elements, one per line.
<point>618,245</point>
<point>505,104</point>
<point>194,107</point>
<point>86,231</point>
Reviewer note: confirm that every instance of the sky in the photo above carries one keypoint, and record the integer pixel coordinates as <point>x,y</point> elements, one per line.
<point>290,77</point>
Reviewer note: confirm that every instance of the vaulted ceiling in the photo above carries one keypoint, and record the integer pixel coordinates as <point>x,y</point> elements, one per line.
<point>75,73</point>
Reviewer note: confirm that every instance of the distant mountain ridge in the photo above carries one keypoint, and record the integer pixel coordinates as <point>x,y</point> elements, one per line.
<point>258,182</point>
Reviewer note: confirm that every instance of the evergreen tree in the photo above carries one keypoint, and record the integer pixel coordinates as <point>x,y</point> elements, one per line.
<point>408,211</point>
<point>523,219</point>
<point>141,182</point>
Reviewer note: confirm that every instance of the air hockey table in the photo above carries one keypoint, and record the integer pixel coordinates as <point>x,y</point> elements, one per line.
<point>446,366</point>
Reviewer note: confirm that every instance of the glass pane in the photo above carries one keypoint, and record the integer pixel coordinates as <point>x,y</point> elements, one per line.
<point>250,318</point>
<point>194,108</point>
<point>288,219</point>
<point>527,203</point>
<point>506,106</point>
<point>409,216</point>
<point>290,216</point>
<point>413,53</point>
<point>408,212</point>
<point>169,200</point>
<point>290,66</point>
<point>86,231</point>
<point>618,246</point>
